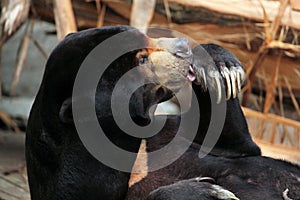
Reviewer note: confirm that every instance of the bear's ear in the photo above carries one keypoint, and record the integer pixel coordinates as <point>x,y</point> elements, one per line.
<point>65,112</point>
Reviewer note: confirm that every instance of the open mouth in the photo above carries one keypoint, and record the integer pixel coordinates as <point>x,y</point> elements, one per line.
<point>191,75</point>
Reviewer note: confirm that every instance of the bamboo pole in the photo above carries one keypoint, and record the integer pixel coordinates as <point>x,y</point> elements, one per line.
<point>273,134</point>
<point>64,18</point>
<point>270,37</point>
<point>21,57</point>
<point>253,69</point>
<point>0,71</point>
<point>272,86</point>
<point>141,13</point>
<point>20,65</point>
<point>297,137</point>
<point>8,121</point>
<point>101,9</point>
<point>280,94</point>
<point>168,12</point>
<point>294,100</point>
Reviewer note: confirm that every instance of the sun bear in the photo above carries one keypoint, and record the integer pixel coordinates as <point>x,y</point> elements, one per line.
<point>235,163</point>
<point>58,163</point>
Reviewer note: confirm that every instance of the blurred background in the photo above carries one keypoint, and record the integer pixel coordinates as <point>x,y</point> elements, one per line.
<point>263,34</point>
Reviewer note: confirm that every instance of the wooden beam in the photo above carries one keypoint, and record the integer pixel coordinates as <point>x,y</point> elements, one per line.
<point>271,117</point>
<point>251,9</point>
<point>295,4</point>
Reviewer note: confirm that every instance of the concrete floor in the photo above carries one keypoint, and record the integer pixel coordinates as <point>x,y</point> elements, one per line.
<point>13,178</point>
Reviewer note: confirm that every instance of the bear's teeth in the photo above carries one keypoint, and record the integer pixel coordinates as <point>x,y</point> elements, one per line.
<point>191,76</point>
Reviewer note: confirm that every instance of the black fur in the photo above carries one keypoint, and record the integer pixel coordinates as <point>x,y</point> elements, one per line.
<point>235,162</point>
<point>194,189</point>
<point>59,166</point>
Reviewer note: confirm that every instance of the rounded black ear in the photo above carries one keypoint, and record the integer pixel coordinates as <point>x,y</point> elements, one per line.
<point>65,112</point>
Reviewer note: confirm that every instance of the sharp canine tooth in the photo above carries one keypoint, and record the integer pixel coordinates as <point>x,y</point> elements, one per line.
<point>233,83</point>
<point>228,83</point>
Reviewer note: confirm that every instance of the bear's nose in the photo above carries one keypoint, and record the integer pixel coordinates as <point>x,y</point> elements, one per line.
<point>182,47</point>
<point>177,46</point>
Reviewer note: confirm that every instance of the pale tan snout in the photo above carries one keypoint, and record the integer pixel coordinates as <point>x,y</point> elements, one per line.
<point>170,60</point>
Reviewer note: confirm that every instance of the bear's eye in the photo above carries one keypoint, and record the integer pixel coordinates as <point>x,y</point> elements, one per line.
<point>143,59</point>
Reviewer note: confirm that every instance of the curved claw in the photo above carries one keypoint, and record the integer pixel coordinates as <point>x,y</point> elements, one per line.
<point>241,77</point>
<point>224,194</point>
<point>222,67</point>
<point>205,179</point>
<point>233,83</point>
<point>238,81</point>
<point>218,88</point>
<point>201,78</point>
<point>202,73</point>
<point>228,82</point>
<point>242,73</point>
